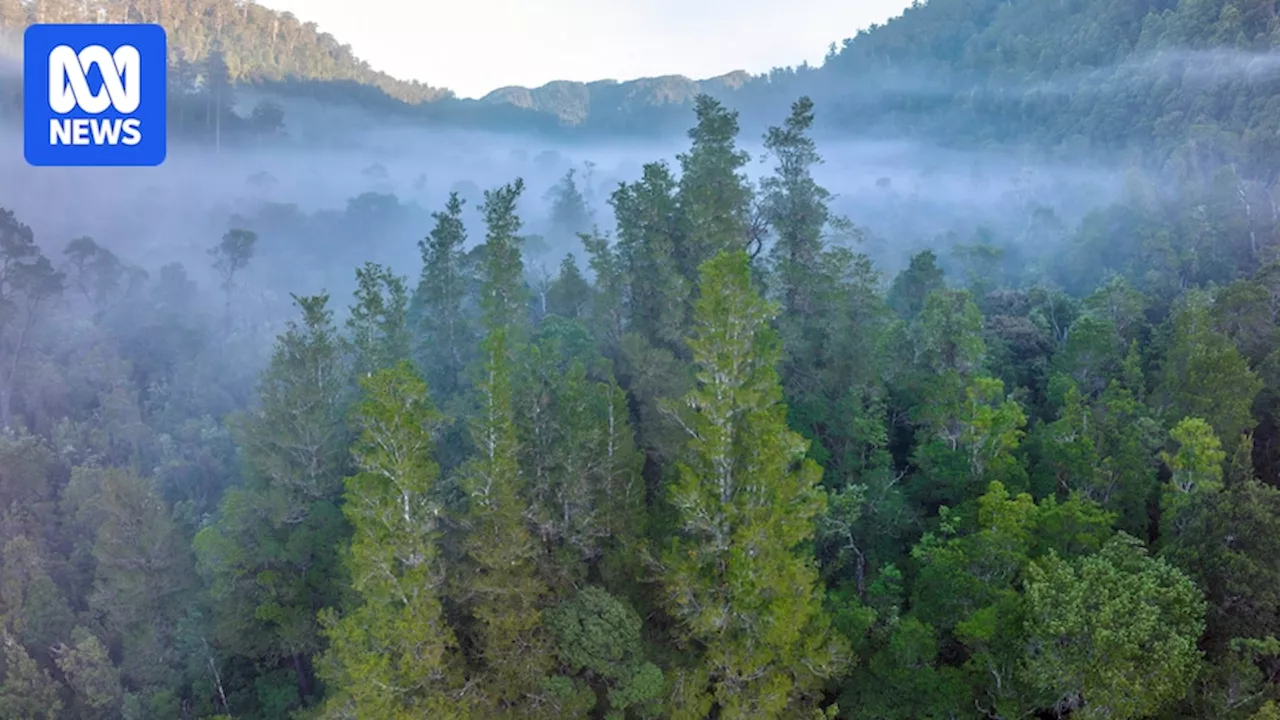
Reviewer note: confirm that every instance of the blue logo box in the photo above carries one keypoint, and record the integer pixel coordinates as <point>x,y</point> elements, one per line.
<point>94,95</point>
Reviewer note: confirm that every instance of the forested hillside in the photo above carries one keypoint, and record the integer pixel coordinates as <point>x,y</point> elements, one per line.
<point>257,44</point>
<point>729,461</point>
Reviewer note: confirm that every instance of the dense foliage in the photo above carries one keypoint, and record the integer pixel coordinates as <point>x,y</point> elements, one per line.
<point>722,465</point>
<point>738,473</point>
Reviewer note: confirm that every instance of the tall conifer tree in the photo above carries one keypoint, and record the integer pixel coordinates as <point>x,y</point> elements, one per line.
<point>747,499</point>
<point>393,656</point>
<point>502,587</point>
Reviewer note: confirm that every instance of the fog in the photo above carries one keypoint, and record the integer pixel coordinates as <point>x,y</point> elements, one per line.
<point>345,188</point>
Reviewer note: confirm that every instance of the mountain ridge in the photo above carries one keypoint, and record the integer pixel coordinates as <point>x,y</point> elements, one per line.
<point>1061,74</point>
<point>280,52</point>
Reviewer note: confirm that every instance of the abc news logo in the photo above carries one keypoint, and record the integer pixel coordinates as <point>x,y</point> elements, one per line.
<point>95,95</point>
<point>69,89</point>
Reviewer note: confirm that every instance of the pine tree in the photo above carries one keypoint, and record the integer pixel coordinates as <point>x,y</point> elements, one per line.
<point>747,498</point>
<point>393,655</point>
<point>577,451</point>
<point>501,586</point>
<point>656,293</point>
<point>608,312</point>
<point>27,690</point>
<point>143,579</point>
<point>570,294</point>
<point>378,326</point>
<point>445,331</point>
<point>503,293</point>
<point>795,208</point>
<point>271,556</point>
<point>714,197</point>
<point>645,282</point>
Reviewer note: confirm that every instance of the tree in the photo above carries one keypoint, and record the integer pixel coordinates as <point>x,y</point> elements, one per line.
<point>394,655</point>
<point>1230,544</point>
<point>598,637</point>
<point>36,612</point>
<point>570,215</point>
<point>1205,376</point>
<point>972,445</point>
<point>795,208</point>
<point>570,294</point>
<point>500,585</point>
<point>1196,469</point>
<point>645,302</point>
<point>217,90</point>
<point>99,275</point>
<point>972,573</point>
<point>445,331</point>
<point>26,691</point>
<point>578,454</point>
<point>912,286</point>
<point>1105,449</point>
<point>608,311</point>
<point>230,256</point>
<point>502,301</point>
<point>747,498</point>
<point>1227,546</point>
<point>378,325</point>
<point>93,679</point>
<point>1112,634</point>
<point>143,579</point>
<point>714,199</point>
<point>296,440</point>
<point>270,558</point>
<point>27,281</point>
<point>268,119</point>
<point>967,427</point>
<point>655,291</point>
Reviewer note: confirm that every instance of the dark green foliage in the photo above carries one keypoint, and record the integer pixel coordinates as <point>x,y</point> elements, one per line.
<point>378,326</point>
<point>731,467</point>
<point>271,558</point>
<point>599,636</point>
<point>713,198</point>
<point>443,330</point>
<point>570,294</point>
<point>502,270</point>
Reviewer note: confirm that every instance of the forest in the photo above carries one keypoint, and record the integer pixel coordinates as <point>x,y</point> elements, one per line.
<point>737,457</point>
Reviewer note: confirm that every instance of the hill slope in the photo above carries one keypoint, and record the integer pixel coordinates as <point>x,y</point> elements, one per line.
<point>259,44</point>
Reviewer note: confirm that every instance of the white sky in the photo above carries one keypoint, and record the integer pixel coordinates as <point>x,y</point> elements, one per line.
<point>475,46</point>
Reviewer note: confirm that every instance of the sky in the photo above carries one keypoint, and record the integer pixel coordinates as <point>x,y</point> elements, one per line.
<point>475,46</point>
